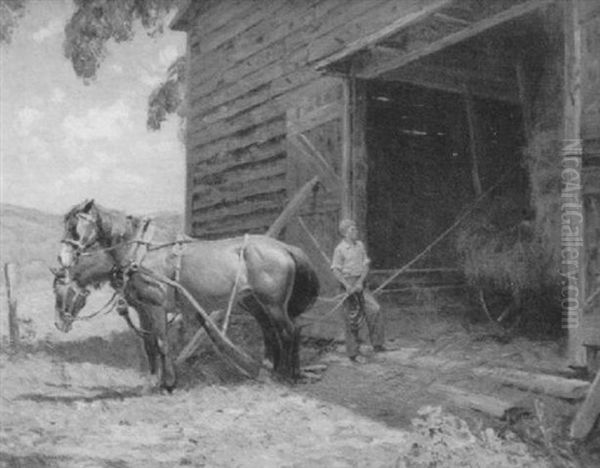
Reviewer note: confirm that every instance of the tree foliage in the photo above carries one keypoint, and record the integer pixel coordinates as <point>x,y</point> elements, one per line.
<point>11,12</point>
<point>167,98</point>
<point>95,22</point>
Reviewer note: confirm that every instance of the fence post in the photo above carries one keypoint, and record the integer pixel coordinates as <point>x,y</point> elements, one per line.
<point>10,274</point>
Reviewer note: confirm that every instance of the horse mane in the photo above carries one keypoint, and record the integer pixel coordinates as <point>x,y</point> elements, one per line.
<point>112,226</point>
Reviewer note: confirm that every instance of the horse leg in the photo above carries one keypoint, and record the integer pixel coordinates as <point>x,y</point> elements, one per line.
<point>272,345</point>
<point>149,340</point>
<point>288,339</point>
<point>271,275</point>
<point>166,368</point>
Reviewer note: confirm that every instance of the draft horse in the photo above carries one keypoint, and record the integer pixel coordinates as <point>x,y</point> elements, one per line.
<point>275,282</point>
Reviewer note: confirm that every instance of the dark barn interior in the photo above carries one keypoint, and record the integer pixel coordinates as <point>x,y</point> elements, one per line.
<point>443,130</point>
<point>420,166</point>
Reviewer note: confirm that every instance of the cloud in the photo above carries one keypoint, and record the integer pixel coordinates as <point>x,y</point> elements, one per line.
<point>38,147</point>
<point>149,79</point>
<point>26,117</point>
<point>53,28</point>
<point>99,123</point>
<point>167,55</point>
<point>127,178</point>
<point>84,175</point>
<point>58,96</point>
<point>104,159</point>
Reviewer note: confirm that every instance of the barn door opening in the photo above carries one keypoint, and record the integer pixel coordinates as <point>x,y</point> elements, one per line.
<point>315,133</point>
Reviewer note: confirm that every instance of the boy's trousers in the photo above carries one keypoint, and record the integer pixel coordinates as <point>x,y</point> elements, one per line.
<point>355,314</point>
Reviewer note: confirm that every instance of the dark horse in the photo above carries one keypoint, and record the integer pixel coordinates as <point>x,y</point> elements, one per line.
<point>275,282</point>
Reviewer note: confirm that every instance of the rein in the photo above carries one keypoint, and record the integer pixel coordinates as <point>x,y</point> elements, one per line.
<point>106,308</point>
<point>151,247</point>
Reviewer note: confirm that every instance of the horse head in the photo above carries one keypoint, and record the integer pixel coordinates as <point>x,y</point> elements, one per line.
<point>70,299</point>
<point>76,272</point>
<point>82,225</point>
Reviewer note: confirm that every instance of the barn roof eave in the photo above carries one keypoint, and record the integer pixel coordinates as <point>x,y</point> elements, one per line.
<point>187,10</point>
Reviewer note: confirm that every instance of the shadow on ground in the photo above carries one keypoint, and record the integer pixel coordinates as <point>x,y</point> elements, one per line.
<point>122,350</point>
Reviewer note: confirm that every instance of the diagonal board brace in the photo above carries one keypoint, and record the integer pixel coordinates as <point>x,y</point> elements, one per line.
<point>300,142</point>
<point>292,207</point>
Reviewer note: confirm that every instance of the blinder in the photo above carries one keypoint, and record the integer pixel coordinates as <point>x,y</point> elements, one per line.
<point>70,299</point>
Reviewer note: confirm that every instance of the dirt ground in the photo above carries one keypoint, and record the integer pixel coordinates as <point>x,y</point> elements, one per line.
<point>84,400</point>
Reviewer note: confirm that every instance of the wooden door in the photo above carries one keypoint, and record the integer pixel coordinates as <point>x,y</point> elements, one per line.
<point>315,134</point>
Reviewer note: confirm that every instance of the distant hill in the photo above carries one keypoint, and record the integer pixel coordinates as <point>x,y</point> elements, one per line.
<point>31,237</point>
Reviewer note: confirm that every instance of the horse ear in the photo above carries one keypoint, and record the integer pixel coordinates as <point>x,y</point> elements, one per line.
<point>87,205</point>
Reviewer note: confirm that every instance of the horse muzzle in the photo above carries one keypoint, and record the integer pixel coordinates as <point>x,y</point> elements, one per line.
<point>63,321</point>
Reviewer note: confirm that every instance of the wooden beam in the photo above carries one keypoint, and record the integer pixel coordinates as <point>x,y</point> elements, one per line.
<point>572,152</point>
<point>328,175</point>
<point>452,80</point>
<point>588,412</point>
<point>243,362</point>
<point>572,389</point>
<point>314,240</point>
<point>374,66</point>
<point>199,338</point>
<point>345,166</point>
<point>524,98</point>
<point>484,403</point>
<point>383,33</point>
<point>473,143</point>
<point>292,207</point>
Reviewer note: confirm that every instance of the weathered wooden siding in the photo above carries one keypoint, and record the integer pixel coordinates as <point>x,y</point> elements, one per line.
<point>248,60</point>
<point>590,133</point>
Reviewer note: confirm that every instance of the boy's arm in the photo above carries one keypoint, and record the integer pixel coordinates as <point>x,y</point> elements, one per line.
<point>336,268</point>
<point>361,280</point>
<point>338,275</point>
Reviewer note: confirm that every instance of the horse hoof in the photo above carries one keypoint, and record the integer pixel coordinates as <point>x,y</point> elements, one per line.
<point>169,386</point>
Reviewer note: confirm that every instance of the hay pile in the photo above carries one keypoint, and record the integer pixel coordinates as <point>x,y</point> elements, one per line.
<point>500,250</point>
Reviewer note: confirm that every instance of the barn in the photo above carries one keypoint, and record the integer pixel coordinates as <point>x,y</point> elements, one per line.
<point>408,112</point>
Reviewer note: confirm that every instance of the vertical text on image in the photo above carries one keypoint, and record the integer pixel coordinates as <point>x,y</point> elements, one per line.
<point>571,230</point>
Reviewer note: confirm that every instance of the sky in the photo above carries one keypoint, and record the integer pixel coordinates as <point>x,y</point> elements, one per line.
<point>62,141</point>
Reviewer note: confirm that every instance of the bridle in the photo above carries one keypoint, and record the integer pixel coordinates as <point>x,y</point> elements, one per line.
<point>87,244</point>
<point>69,314</point>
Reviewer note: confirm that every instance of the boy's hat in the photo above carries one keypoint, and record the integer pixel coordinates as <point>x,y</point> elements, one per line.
<point>345,225</point>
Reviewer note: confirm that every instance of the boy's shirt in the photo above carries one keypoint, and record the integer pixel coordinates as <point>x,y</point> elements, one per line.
<point>350,259</point>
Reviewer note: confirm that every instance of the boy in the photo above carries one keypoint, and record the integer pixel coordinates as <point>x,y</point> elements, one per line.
<point>350,265</point>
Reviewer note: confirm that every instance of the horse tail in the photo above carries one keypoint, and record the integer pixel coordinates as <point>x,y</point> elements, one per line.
<point>306,283</point>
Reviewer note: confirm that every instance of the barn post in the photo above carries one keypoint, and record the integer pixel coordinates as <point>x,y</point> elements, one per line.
<point>188,225</point>
<point>346,175</point>
<point>357,164</point>
<point>572,222</point>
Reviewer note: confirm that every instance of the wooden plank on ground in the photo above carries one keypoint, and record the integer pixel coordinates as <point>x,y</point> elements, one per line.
<point>493,406</point>
<point>540,383</point>
<point>561,387</point>
<point>588,412</point>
